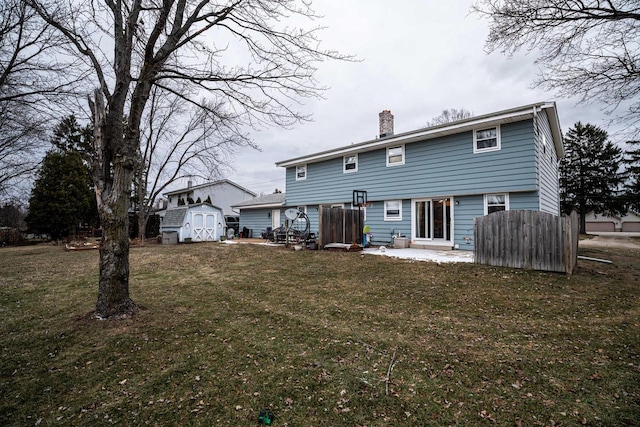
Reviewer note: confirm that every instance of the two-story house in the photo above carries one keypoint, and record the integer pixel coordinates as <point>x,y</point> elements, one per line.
<point>222,193</point>
<point>429,184</point>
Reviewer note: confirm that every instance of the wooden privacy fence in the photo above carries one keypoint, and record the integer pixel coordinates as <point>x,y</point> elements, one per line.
<point>338,225</point>
<point>530,240</point>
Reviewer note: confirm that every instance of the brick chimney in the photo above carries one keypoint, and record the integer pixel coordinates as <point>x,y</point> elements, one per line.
<point>386,123</point>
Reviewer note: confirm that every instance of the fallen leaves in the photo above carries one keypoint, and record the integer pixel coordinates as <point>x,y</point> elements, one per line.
<point>487,416</point>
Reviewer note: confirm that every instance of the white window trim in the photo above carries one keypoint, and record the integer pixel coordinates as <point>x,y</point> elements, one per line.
<point>338,205</point>
<point>403,156</point>
<point>545,147</point>
<point>485,150</point>
<point>305,172</point>
<point>486,204</point>
<point>344,164</point>
<point>393,218</point>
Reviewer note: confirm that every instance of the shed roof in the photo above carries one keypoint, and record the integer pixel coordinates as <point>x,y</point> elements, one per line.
<point>173,217</point>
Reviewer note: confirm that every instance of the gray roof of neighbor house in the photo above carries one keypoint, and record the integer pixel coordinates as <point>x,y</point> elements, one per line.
<point>265,201</point>
<point>173,217</point>
<point>208,184</point>
<point>499,117</point>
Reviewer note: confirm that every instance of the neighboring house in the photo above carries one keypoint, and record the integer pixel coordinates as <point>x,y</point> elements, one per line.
<point>430,184</point>
<point>261,213</point>
<point>200,222</point>
<point>222,193</point>
<point>599,222</point>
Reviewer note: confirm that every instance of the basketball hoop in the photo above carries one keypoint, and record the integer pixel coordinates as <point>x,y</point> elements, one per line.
<point>364,205</point>
<point>359,197</point>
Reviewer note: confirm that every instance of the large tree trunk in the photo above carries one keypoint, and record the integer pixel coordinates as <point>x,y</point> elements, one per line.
<point>113,285</point>
<point>113,165</point>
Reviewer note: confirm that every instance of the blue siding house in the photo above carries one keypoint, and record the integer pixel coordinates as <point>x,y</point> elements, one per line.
<point>261,213</point>
<point>428,185</point>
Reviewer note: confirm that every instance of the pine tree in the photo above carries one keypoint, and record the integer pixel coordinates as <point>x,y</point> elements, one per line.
<point>589,179</point>
<point>632,185</point>
<point>63,195</point>
<point>61,198</point>
<point>70,136</point>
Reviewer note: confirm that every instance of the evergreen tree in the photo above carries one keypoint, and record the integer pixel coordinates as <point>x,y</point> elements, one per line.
<point>589,179</point>
<point>70,136</point>
<point>632,185</point>
<point>62,197</point>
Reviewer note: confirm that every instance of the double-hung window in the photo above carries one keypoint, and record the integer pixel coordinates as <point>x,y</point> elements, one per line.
<point>301,172</point>
<point>496,203</point>
<point>393,210</point>
<point>487,139</point>
<point>395,155</point>
<point>350,163</point>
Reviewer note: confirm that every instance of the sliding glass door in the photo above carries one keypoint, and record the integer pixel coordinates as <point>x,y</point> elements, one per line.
<point>432,219</point>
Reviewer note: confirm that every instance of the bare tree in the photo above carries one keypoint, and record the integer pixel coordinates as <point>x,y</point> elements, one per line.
<point>590,49</point>
<point>28,80</point>
<point>178,141</point>
<point>450,115</point>
<point>239,50</point>
<point>20,141</point>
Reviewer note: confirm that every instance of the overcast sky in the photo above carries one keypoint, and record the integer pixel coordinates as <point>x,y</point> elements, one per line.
<point>418,58</point>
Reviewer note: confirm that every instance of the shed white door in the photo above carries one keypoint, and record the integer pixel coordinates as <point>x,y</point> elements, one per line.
<point>204,226</point>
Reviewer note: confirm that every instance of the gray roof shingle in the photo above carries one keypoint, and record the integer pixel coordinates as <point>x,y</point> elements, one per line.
<point>173,217</point>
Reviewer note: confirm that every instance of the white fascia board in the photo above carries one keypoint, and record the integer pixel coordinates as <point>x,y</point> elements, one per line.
<point>413,136</point>
<point>556,131</point>
<point>270,205</point>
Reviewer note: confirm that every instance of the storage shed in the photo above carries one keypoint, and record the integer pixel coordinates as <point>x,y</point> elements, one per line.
<point>199,222</point>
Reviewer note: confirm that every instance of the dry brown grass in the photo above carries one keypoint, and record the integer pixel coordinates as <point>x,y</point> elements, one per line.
<point>318,338</point>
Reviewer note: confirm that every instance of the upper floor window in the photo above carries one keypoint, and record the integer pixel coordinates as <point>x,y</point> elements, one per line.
<point>395,155</point>
<point>486,139</point>
<point>496,203</point>
<point>393,210</point>
<point>301,172</point>
<point>350,163</point>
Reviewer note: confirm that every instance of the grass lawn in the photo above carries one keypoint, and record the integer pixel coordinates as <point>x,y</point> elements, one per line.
<point>319,339</point>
